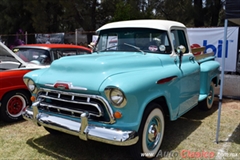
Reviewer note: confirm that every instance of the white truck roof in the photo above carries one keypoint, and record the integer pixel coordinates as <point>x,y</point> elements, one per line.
<point>147,23</point>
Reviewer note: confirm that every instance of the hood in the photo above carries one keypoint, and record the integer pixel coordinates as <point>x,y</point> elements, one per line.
<point>89,71</point>
<point>6,52</point>
<point>7,55</point>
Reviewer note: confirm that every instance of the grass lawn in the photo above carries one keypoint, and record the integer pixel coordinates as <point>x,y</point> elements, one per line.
<point>192,135</point>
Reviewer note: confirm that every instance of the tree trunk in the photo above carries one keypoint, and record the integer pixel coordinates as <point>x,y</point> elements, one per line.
<point>198,16</point>
<point>215,9</point>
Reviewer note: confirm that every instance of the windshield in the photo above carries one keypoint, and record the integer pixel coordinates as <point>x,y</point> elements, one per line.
<point>38,56</point>
<point>133,39</point>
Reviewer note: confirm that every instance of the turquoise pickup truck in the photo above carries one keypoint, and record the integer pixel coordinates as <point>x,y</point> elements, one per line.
<point>140,73</point>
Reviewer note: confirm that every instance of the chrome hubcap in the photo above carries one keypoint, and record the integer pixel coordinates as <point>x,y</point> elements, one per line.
<point>210,96</point>
<point>154,133</point>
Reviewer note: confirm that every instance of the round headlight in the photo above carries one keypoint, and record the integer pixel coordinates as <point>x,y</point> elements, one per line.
<point>31,85</point>
<point>116,96</point>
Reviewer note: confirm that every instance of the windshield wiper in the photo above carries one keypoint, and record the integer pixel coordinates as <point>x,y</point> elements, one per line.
<point>105,49</point>
<point>137,48</point>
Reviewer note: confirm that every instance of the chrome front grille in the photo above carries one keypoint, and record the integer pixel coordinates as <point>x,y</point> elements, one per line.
<point>74,104</point>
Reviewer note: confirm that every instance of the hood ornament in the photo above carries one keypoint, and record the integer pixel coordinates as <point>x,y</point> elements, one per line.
<point>66,86</point>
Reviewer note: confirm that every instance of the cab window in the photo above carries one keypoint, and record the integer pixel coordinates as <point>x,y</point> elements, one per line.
<point>179,38</point>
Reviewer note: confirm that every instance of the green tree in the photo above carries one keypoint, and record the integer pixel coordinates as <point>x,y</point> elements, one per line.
<point>13,16</point>
<point>13,19</point>
<point>126,10</point>
<point>49,16</point>
<point>180,10</point>
<point>45,15</point>
<point>198,13</point>
<point>214,13</point>
<point>122,12</point>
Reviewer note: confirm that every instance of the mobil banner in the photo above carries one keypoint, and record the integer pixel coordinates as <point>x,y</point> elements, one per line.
<point>212,39</point>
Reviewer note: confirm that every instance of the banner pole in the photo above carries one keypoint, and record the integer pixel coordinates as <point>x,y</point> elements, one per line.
<point>222,78</point>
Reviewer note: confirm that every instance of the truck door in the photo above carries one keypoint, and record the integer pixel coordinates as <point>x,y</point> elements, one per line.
<point>190,73</point>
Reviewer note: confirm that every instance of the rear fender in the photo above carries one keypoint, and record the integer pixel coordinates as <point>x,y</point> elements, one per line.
<point>209,71</point>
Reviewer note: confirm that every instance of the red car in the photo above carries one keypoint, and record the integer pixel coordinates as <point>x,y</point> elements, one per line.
<point>14,95</point>
<point>46,53</point>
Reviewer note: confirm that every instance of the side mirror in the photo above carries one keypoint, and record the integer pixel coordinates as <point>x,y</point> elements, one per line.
<point>180,50</point>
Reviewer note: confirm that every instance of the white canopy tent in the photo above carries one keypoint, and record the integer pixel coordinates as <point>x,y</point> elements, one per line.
<point>232,13</point>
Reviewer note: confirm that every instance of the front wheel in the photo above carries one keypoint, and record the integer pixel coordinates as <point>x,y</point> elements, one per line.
<point>207,103</point>
<point>13,104</point>
<point>151,133</point>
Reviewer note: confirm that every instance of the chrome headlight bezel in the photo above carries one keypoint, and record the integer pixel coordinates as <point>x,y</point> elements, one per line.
<point>30,84</point>
<point>116,96</point>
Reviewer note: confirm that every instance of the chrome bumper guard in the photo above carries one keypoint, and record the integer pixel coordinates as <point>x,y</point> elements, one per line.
<point>84,130</point>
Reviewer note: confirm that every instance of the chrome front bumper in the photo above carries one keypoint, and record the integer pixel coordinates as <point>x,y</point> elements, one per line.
<point>84,130</point>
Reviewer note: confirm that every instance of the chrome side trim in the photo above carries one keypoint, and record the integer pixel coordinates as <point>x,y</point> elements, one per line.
<point>83,130</point>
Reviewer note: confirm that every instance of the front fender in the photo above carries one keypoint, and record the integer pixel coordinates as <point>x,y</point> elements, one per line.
<point>35,76</point>
<point>140,88</point>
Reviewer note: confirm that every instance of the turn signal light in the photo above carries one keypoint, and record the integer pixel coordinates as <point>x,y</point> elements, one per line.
<point>117,115</point>
<point>33,98</point>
